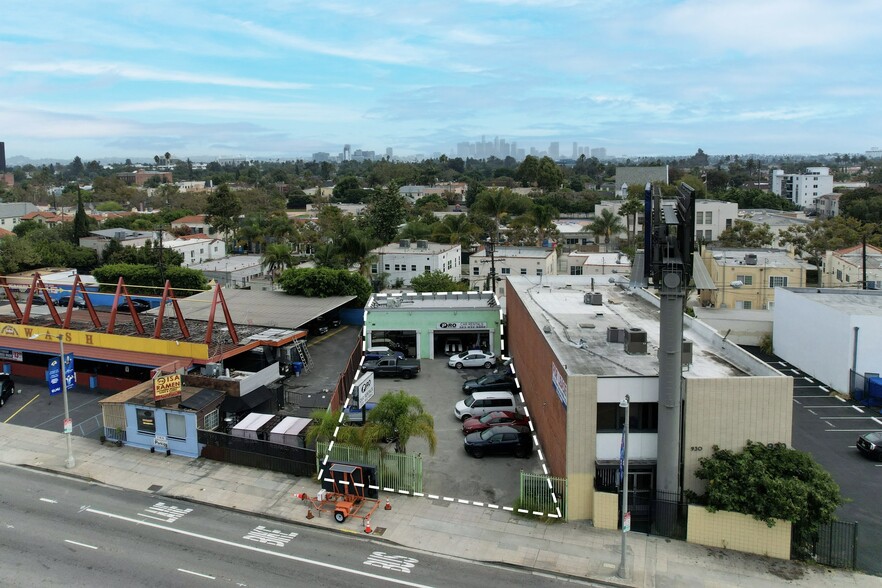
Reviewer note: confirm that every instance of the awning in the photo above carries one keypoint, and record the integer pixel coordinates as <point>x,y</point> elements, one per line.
<point>121,356</point>
<point>700,275</point>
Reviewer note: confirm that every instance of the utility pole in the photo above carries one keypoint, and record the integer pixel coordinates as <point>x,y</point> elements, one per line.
<point>491,249</point>
<point>161,258</point>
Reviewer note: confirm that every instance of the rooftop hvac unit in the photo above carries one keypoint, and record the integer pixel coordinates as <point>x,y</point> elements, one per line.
<point>615,335</point>
<point>874,284</point>
<point>593,298</point>
<point>750,259</point>
<point>422,244</point>
<point>686,354</point>
<point>635,341</point>
<point>212,370</point>
<point>404,243</point>
<point>394,302</point>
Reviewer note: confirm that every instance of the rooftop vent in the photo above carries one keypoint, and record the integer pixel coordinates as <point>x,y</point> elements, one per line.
<point>635,341</point>
<point>422,244</point>
<point>593,298</point>
<point>404,243</point>
<point>615,335</point>
<point>750,259</point>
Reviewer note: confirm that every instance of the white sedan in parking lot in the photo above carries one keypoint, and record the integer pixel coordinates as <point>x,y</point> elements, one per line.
<point>473,358</point>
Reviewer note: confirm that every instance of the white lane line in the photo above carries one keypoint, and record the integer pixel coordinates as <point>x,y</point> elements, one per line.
<point>809,380</point>
<point>835,406</point>
<point>197,574</point>
<point>49,500</point>
<point>829,424</point>
<point>851,418</point>
<point>303,560</point>
<point>810,410</point>
<point>818,396</point>
<point>840,399</point>
<point>876,420</point>
<point>794,400</point>
<point>823,388</point>
<point>854,407</point>
<point>851,430</point>
<point>80,544</point>
<point>852,446</point>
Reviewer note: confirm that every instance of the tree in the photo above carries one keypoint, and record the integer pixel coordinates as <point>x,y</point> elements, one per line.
<point>549,176</point>
<point>498,204</point>
<point>816,238</point>
<point>325,423</point>
<point>629,209</point>
<point>456,228</point>
<point>148,279</point>
<point>323,282</point>
<point>81,220</point>
<point>223,210</point>
<point>771,482</point>
<point>437,281</point>
<point>528,171</point>
<point>385,211</point>
<point>167,158</point>
<point>277,257</point>
<point>401,416</point>
<point>606,224</point>
<point>744,233</point>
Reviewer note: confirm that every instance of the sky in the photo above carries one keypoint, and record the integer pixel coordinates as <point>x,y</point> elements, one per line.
<point>282,79</point>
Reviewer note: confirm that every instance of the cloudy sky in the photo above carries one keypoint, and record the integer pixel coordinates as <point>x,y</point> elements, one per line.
<point>286,78</point>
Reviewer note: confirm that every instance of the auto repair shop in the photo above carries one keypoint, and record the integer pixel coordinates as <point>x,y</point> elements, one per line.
<point>434,324</point>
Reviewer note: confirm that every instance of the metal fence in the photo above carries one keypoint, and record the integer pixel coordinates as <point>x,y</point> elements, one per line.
<point>297,461</point>
<point>397,471</point>
<point>669,515</point>
<point>836,545</point>
<point>543,494</point>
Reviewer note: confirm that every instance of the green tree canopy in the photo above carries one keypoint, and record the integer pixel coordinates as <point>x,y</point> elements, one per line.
<point>147,279</point>
<point>606,224</point>
<point>744,233</point>
<point>223,209</point>
<point>386,210</point>
<point>401,416</point>
<point>771,482</point>
<point>323,282</point>
<point>437,281</point>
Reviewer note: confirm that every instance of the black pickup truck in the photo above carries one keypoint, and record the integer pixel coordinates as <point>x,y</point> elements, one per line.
<point>392,366</point>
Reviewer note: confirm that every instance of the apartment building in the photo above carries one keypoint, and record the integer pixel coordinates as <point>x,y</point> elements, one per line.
<point>534,262</point>
<point>406,259</point>
<point>746,278</point>
<point>803,189</point>
<point>845,268</point>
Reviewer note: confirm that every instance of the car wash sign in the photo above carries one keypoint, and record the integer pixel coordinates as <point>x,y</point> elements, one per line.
<point>462,326</point>
<point>166,387</point>
<point>559,383</point>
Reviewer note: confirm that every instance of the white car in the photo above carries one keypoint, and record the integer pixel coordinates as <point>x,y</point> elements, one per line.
<point>473,358</point>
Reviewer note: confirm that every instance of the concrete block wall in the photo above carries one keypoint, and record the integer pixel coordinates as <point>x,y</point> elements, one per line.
<point>606,510</point>
<point>731,530</point>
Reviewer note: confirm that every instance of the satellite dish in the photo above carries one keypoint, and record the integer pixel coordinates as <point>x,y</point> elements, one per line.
<point>736,284</point>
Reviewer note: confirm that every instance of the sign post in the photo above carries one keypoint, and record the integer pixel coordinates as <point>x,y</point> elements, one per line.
<point>364,390</point>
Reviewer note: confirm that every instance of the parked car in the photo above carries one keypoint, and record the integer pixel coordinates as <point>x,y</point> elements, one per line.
<point>473,358</point>
<point>137,303</point>
<point>353,413</point>
<point>493,419</point>
<point>316,327</point>
<point>502,440</point>
<point>490,383</point>
<point>7,387</point>
<point>480,403</point>
<point>78,301</point>
<point>375,353</point>
<point>392,366</point>
<point>870,444</point>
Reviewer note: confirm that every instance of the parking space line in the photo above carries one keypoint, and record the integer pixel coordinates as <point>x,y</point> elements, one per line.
<point>876,420</point>
<point>813,412</point>
<point>840,399</point>
<point>818,396</point>
<point>21,409</point>
<point>824,388</point>
<point>797,401</point>
<point>825,406</point>
<point>851,430</point>
<point>829,424</point>
<point>857,409</point>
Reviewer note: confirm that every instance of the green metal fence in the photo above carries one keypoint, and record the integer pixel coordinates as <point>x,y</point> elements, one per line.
<point>394,470</point>
<point>543,494</point>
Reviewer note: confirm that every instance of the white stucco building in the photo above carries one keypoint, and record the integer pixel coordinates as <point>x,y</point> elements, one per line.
<point>197,250</point>
<point>802,189</point>
<point>407,259</point>
<point>534,262</point>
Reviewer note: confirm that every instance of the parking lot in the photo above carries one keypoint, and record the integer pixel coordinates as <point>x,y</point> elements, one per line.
<point>31,406</point>
<point>451,472</point>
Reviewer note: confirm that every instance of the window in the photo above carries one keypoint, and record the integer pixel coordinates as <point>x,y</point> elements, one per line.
<point>839,275</point>
<point>611,417</point>
<point>699,218</point>
<point>847,278</point>
<point>146,422</point>
<point>523,271</point>
<point>449,265</point>
<point>505,271</point>
<point>708,217</point>
<point>576,270</point>
<point>777,281</point>
<point>427,269</point>
<point>743,304</point>
<point>709,235</point>
<point>728,223</point>
<point>201,251</point>
<point>746,280</point>
<point>211,420</point>
<point>374,268</point>
<point>386,267</point>
<point>476,270</point>
<point>539,271</point>
<point>176,425</point>
<point>413,267</point>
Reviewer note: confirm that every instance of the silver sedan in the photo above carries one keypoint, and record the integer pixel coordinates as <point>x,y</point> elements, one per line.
<point>473,358</point>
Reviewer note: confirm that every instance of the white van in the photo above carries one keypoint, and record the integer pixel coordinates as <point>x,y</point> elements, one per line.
<point>480,403</point>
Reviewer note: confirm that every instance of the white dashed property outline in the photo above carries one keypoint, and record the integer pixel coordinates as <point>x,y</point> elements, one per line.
<point>555,515</point>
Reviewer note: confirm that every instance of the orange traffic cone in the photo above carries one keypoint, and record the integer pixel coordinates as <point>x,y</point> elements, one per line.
<point>367,526</point>
<point>388,505</point>
<point>309,514</point>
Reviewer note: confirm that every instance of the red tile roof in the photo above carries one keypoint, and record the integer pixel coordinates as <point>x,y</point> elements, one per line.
<point>196,218</point>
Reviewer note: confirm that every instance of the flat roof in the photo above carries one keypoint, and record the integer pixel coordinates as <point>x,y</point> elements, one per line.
<point>228,264</point>
<point>433,300</point>
<point>734,256</point>
<point>264,308</point>
<point>412,249</point>
<point>860,302</point>
<point>577,332</point>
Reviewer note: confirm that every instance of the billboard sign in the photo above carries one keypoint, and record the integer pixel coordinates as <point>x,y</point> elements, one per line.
<point>364,388</point>
<point>166,387</point>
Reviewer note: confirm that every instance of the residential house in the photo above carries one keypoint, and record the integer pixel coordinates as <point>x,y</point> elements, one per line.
<point>197,249</point>
<point>639,176</point>
<point>232,271</point>
<point>712,217</point>
<point>139,177</point>
<point>11,213</point>
<point>535,262</point>
<point>196,223</point>
<point>845,268</point>
<point>746,278</point>
<point>578,263</point>
<point>46,217</point>
<point>828,205</point>
<point>99,240</point>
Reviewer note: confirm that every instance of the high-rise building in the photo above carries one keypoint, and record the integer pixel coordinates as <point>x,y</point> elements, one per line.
<point>389,152</point>
<point>599,152</point>
<point>347,153</point>
<point>2,156</point>
<point>575,150</point>
<point>554,150</point>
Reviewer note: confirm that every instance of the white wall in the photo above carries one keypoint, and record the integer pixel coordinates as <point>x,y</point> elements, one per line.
<point>641,446</point>
<point>641,389</point>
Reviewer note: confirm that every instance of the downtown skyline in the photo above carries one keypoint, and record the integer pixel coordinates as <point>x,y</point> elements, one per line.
<point>284,79</point>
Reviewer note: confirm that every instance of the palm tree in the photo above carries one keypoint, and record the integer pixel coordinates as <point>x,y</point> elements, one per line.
<point>456,228</point>
<point>400,416</point>
<point>606,225</point>
<point>167,158</point>
<point>543,216</point>
<point>325,422</point>
<point>276,257</point>
<point>630,209</point>
<point>327,255</point>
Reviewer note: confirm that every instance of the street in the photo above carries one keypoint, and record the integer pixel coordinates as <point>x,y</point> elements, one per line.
<point>65,531</point>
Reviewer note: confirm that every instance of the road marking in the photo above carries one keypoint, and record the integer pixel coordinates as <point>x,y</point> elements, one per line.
<point>269,536</point>
<point>852,446</point>
<point>809,380</point>
<point>12,416</point>
<point>797,401</point>
<point>818,396</point>
<point>80,544</point>
<point>823,388</point>
<point>197,574</point>
<point>302,560</point>
<point>840,399</point>
<point>398,563</point>
<point>876,420</point>
<point>49,500</point>
<point>829,424</point>
<point>165,512</point>
<point>857,409</point>
<point>851,430</point>
<point>813,412</point>
<point>825,406</point>
<point>851,418</point>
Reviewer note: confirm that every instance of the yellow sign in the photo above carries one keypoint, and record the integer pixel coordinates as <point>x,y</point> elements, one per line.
<point>167,387</point>
<point>106,341</point>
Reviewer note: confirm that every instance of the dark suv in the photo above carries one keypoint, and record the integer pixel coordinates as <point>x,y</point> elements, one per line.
<point>501,440</point>
<point>491,382</point>
<point>7,387</point>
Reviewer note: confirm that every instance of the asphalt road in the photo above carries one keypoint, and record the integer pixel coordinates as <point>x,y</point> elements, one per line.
<point>63,531</point>
<point>827,427</point>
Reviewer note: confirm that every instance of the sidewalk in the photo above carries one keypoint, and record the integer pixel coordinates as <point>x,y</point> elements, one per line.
<point>458,530</point>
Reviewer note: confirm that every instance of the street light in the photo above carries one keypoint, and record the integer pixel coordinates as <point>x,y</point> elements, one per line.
<point>70,463</point>
<point>626,518</point>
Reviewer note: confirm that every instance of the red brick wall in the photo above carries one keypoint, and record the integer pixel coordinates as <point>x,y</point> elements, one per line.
<point>532,359</point>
